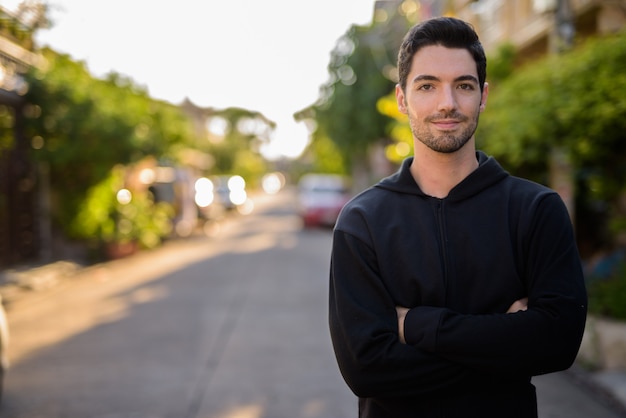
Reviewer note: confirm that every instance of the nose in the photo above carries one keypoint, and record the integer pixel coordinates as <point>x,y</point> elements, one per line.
<point>447,100</point>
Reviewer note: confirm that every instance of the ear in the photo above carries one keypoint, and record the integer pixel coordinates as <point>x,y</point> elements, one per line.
<point>483,99</point>
<point>401,99</point>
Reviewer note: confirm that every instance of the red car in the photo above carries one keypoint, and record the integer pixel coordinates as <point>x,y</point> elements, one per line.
<point>321,197</point>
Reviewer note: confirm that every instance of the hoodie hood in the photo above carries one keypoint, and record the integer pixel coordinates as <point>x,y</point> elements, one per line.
<point>488,173</point>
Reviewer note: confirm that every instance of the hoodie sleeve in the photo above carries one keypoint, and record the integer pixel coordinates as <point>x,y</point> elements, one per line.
<point>364,331</point>
<point>544,338</point>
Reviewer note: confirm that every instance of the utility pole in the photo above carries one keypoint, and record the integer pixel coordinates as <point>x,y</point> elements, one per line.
<point>561,170</point>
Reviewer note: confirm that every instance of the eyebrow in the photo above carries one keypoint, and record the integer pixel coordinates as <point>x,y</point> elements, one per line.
<point>426,77</point>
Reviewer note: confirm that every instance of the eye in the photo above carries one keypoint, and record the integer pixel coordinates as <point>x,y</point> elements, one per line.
<point>426,87</point>
<point>466,86</point>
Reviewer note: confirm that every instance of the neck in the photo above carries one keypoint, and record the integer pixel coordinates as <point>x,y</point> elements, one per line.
<point>438,173</point>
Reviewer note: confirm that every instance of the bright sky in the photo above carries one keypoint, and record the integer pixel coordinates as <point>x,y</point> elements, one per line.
<point>262,55</point>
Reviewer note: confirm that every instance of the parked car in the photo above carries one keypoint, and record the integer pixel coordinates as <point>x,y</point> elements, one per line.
<point>321,197</point>
<point>176,186</point>
<point>231,191</point>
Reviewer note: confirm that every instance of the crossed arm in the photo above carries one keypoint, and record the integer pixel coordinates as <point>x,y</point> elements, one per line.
<point>444,348</point>
<point>518,305</point>
<point>432,347</point>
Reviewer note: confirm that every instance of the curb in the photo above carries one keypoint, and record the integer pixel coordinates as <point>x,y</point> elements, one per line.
<point>604,393</point>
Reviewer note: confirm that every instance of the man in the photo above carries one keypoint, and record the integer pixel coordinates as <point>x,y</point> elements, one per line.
<point>452,283</point>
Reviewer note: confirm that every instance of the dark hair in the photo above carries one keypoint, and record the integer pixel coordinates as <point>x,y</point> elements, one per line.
<point>445,31</point>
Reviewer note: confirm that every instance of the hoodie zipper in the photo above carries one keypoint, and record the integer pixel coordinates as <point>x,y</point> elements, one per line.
<point>443,248</point>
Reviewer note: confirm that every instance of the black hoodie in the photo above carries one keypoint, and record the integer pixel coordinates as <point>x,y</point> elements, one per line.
<point>458,263</point>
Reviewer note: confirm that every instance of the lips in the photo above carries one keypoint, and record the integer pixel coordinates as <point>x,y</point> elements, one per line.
<point>446,124</point>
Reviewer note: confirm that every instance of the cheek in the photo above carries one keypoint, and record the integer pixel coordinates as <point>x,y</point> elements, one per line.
<point>471,106</point>
<point>420,107</point>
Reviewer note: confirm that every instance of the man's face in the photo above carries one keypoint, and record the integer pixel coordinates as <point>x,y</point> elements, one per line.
<point>443,98</point>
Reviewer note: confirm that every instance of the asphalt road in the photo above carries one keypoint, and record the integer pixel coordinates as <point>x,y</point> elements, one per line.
<point>232,326</point>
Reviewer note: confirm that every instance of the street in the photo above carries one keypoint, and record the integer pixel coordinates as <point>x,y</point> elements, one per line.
<point>232,326</point>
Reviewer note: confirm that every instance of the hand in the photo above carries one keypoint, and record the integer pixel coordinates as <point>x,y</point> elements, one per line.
<point>401,312</point>
<point>518,305</point>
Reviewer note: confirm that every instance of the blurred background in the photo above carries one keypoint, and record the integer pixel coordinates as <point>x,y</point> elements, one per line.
<point>250,88</point>
<point>125,126</point>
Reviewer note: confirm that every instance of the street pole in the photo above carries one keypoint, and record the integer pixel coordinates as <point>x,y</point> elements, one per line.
<point>561,170</point>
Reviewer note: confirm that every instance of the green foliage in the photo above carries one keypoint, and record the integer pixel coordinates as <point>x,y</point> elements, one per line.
<point>86,126</point>
<point>362,70</point>
<point>20,24</point>
<point>574,101</point>
<point>249,165</point>
<point>103,219</point>
<point>144,221</point>
<point>593,107</point>
<point>518,126</point>
<point>328,158</point>
<point>7,133</point>
<point>399,130</point>
<point>607,296</point>
<point>502,63</point>
<point>347,112</point>
<point>236,150</point>
<point>95,218</point>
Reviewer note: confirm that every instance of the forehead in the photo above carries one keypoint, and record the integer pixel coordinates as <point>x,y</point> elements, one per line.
<point>439,61</point>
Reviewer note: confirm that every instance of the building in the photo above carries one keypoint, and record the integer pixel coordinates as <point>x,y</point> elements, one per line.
<point>531,25</point>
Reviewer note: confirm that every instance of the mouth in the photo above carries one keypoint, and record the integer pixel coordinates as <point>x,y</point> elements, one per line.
<point>446,124</point>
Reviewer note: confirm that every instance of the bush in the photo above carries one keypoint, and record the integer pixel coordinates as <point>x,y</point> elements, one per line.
<point>607,296</point>
<point>103,219</point>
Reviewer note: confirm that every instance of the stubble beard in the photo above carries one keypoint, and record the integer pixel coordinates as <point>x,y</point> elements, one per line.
<point>445,142</point>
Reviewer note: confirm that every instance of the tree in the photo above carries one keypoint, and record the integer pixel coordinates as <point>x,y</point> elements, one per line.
<point>81,127</point>
<point>21,24</point>
<point>349,113</point>
<point>574,100</point>
<point>361,71</point>
<point>236,142</point>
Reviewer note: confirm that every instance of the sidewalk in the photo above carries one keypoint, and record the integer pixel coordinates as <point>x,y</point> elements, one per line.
<point>609,386</point>
<point>614,383</point>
